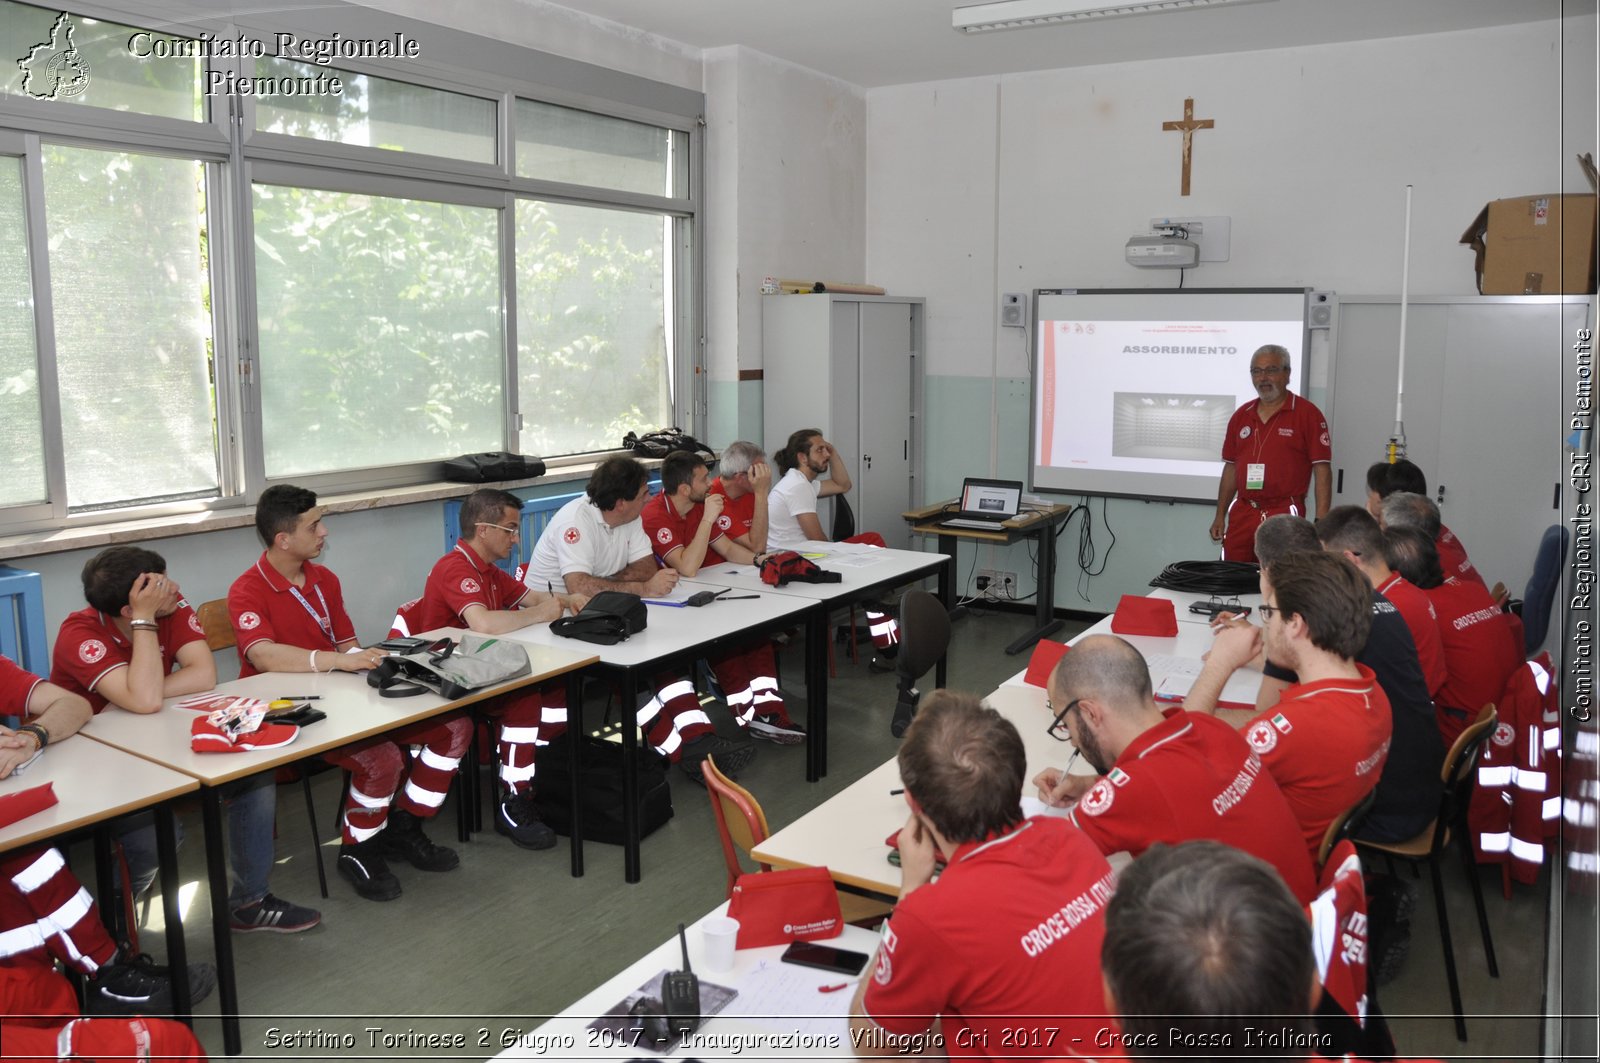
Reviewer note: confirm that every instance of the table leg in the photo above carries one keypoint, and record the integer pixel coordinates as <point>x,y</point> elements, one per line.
<point>947,583</point>
<point>630,776</point>
<point>947,587</point>
<point>217,873</point>
<point>1045,622</point>
<point>177,953</point>
<point>575,794</point>
<point>817,693</point>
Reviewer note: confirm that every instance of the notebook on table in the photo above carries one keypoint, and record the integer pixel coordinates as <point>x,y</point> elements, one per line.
<point>986,504</point>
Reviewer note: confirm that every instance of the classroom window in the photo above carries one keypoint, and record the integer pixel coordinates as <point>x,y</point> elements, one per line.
<point>376,112</point>
<point>70,59</point>
<point>577,147</point>
<point>381,333</point>
<point>22,478</point>
<point>594,350</point>
<point>128,277</point>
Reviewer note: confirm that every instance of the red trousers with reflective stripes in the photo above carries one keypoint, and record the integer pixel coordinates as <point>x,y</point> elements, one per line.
<point>47,915</point>
<point>671,716</point>
<point>377,767</point>
<point>50,1029</point>
<point>527,719</point>
<point>749,681</point>
<point>885,629</point>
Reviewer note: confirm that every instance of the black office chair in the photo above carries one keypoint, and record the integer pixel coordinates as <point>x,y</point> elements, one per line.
<point>1540,594</point>
<point>844,519</point>
<point>924,636</point>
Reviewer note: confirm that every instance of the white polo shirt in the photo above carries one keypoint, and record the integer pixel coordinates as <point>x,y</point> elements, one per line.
<point>579,540</point>
<point>792,496</point>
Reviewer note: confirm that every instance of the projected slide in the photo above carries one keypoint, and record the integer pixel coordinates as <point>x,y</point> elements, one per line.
<point>1133,390</point>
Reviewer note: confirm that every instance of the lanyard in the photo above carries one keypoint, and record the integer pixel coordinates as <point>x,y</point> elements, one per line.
<point>324,622</point>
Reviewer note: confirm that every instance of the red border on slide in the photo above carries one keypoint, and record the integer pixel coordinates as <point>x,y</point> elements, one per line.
<point>1048,429</point>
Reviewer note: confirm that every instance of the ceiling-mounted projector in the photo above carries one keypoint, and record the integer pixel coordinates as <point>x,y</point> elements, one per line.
<point>1161,251</point>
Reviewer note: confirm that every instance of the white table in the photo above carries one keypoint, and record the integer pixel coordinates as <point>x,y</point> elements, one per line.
<point>355,711</point>
<point>94,784</point>
<point>567,1036</point>
<point>867,571</point>
<point>847,834</point>
<point>674,636</point>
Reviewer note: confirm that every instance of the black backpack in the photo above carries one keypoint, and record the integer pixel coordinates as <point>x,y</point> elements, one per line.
<point>660,443</point>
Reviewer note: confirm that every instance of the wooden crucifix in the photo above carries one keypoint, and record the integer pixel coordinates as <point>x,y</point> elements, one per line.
<point>1188,126</point>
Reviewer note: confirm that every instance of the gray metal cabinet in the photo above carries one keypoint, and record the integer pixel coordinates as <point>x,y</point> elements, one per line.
<point>1484,411</point>
<point>852,366</point>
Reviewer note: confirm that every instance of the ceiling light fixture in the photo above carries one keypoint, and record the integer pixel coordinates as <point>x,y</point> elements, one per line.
<point>1020,14</point>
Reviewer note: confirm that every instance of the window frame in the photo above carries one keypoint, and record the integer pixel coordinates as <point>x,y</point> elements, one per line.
<point>236,157</point>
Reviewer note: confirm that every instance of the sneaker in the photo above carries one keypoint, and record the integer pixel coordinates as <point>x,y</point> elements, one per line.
<point>403,839</point>
<point>773,729</point>
<point>516,819</point>
<point>363,864</point>
<point>129,987</point>
<point>732,757</point>
<point>880,665</point>
<point>273,915</point>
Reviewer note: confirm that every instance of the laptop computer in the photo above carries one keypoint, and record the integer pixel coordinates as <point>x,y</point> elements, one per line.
<point>986,504</point>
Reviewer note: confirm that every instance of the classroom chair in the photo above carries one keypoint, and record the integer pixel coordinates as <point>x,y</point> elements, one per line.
<point>1344,826</point>
<point>742,825</point>
<point>924,637</point>
<point>1428,847</point>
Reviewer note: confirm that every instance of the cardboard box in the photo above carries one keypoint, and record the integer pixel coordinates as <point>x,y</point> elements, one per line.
<point>1535,245</point>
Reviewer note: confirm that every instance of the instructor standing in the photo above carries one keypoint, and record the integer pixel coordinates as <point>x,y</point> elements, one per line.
<point>1274,445</point>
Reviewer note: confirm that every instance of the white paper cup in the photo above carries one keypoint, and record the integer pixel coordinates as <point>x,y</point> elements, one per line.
<point>719,934</point>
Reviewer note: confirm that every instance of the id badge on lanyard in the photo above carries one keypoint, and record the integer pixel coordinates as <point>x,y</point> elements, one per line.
<point>1255,475</point>
<point>324,619</point>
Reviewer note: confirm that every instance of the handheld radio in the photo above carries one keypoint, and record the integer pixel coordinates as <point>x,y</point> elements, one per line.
<point>680,994</point>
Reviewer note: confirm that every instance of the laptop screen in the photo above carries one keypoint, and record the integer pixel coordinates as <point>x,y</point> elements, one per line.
<point>991,498</point>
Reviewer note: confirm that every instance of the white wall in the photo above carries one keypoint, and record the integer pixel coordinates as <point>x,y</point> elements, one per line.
<point>561,31</point>
<point>1037,180</point>
<point>1011,183</point>
<point>786,183</point>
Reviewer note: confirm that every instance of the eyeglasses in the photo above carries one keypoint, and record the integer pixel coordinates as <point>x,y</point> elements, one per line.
<point>513,531</point>
<point>1058,726</point>
<point>1268,611</point>
<point>1269,370</point>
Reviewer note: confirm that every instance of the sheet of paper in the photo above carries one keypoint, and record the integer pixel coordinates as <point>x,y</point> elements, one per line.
<point>677,596</point>
<point>788,993</point>
<point>1173,677</point>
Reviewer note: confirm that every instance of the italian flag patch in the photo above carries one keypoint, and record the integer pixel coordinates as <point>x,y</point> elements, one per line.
<point>1281,723</point>
<point>1118,777</point>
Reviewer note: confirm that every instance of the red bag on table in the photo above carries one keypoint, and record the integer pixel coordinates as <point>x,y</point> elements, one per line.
<point>776,907</point>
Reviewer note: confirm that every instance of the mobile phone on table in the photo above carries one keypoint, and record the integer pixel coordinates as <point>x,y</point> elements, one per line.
<point>825,958</point>
<point>402,645</point>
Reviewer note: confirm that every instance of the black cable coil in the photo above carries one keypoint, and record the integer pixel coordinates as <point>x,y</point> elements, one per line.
<point>1210,577</point>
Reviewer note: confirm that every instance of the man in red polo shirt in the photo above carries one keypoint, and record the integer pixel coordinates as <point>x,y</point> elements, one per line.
<point>1208,957</point>
<point>1012,926</point>
<point>1385,480</point>
<point>684,525</point>
<point>1275,444</point>
<point>744,479</point>
<point>136,644</point>
<point>288,616</point>
<point>1326,740</point>
<point>1163,778</point>
<point>1481,651</point>
<point>467,588</point>
<point>1351,532</point>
